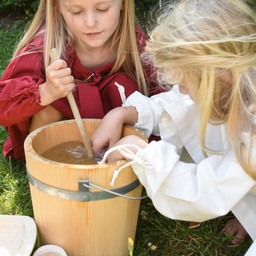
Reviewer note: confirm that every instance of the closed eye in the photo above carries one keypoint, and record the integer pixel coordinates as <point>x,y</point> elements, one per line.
<point>77,13</point>
<point>103,10</point>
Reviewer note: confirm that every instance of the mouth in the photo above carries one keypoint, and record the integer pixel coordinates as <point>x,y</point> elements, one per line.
<point>93,34</point>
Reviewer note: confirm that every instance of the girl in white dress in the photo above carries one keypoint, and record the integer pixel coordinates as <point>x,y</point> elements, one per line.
<point>208,48</point>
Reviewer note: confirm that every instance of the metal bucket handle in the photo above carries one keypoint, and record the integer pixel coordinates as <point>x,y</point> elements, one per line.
<point>90,185</point>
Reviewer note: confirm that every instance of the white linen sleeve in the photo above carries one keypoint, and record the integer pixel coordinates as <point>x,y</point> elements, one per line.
<point>149,113</point>
<point>187,191</point>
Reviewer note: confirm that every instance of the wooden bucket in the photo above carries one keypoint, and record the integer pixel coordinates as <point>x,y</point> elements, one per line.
<point>82,221</point>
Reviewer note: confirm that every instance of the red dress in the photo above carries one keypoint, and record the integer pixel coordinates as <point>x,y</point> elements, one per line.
<point>95,92</point>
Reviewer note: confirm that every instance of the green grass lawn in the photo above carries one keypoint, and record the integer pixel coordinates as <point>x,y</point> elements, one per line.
<point>156,235</point>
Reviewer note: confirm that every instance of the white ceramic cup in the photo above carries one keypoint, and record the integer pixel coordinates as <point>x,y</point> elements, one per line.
<point>50,250</point>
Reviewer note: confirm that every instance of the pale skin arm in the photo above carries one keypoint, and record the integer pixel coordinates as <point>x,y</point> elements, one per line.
<point>108,133</point>
<point>59,82</point>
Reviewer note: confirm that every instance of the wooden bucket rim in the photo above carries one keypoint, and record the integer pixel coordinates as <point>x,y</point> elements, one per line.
<point>31,151</point>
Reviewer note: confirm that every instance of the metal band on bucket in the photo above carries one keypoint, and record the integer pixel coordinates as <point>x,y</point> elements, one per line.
<point>83,195</point>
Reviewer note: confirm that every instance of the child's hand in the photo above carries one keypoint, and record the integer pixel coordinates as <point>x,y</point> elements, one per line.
<point>131,139</point>
<point>59,82</point>
<point>109,130</point>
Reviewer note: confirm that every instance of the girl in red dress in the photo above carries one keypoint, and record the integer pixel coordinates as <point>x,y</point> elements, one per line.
<point>99,48</point>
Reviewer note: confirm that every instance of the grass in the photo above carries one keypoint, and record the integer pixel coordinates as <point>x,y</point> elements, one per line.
<point>9,34</point>
<point>156,235</point>
<point>174,238</point>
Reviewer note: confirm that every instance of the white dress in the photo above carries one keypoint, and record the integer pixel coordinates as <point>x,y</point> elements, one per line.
<point>211,186</point>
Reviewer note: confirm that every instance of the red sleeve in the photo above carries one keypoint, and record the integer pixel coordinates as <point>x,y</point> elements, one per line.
<point>19,84</point>
<point>149,70</point>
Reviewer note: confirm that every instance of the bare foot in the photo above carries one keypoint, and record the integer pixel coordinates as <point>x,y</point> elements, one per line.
<point>235,228</point>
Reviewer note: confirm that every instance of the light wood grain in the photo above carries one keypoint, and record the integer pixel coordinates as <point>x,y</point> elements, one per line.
<point>95,228</point>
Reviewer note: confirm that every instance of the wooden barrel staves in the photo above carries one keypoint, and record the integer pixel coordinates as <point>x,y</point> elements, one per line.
<point>69,211</point>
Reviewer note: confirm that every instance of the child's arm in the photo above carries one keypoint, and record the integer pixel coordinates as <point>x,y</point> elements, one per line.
<point>24,89</point>
<point>110,128</point>
<point>142,112</point>
<point>191,192</point>
<point>19,95</point>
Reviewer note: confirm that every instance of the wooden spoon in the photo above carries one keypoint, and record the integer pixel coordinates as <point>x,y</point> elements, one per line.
<point>76,114</point>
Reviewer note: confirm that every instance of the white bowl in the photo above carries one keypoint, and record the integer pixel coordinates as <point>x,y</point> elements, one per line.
<point>17,235</point>
<point>50,250</point>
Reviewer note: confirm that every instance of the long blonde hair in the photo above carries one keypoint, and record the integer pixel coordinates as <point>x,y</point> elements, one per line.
<point>57,35</point>
<point>211,44</point>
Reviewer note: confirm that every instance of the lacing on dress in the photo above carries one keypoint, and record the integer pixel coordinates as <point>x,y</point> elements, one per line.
<point>121,92</point>
<point>128,153</point>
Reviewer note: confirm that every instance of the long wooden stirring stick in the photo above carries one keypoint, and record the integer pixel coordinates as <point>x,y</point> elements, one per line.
<point>76,114</point>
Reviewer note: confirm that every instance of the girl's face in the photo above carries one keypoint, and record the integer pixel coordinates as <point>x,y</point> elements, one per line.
<point>93,22</point>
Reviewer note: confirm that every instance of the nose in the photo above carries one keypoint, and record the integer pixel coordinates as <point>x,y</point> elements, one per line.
<point>90,19</point>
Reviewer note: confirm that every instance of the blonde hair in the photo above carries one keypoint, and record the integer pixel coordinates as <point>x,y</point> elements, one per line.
<point>211,45</point>
<point>57,35</point>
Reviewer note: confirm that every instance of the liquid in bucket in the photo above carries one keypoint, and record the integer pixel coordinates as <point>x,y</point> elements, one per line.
<point>73,152</point>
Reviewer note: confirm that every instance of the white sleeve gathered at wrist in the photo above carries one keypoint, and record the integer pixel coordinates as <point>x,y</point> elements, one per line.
<point>148,112</point>
<point>155,153</point>
<point>139,123</point>
<point>127,152</point>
